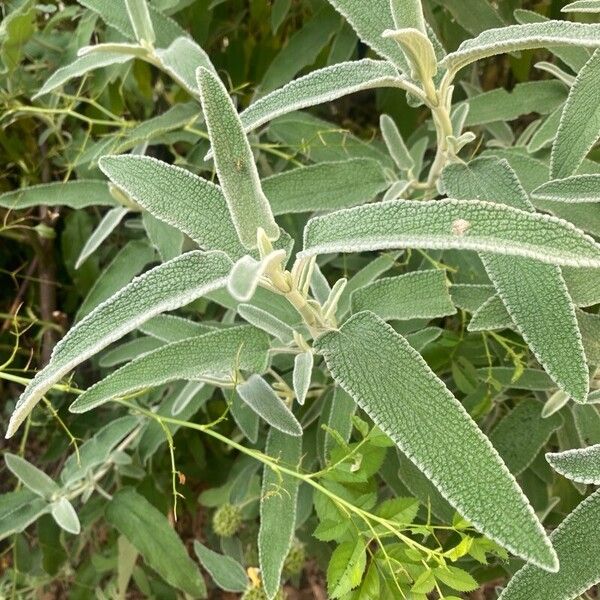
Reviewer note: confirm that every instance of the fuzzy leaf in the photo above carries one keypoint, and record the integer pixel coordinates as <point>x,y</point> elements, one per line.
<point>128,351</point>
<point>408,13</point>
<point>303,365</point>
<point>234,162</point>
<point>325,186</point>
<point>30,476</point>
<point>580,464</point>
<point>247,273</point>
<point>522,433</point>
<point>395,143</point>
<point>170,328</point>
<point>18,510</point>
<point>577,188</point>
<point>166,287</point>
<point>106,226</point>
<point>522,37</point>
<point>267,322</point>
<point>580,122</point>
<point>80,66</point>
<point>64,514</point>
<point>141,23</point>
<point>259,396</point>
<point>149,531</point>
<point>278,506</point>
<point>226,572</point>
<point>577,544</point>
<point>320,86</point>
<point>74,194</point>
<point>447,224</point>
<point>219,352</point>
<point>416,295</point>
<point>582,6</point>
<point>382,372</point>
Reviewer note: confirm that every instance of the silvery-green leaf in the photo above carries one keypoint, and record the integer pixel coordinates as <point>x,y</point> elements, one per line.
<point>161,548</point>
<point>396,190</point>
<point>447,224</point>
<point>319,285</point>
<point>64,514</point>
<point>379,369</point>
<point>167,240</point>
<point>325,186</point>
<point>492,314</point>
<point>267,322</point>
<point>320,86</point>
<point>303,365</point>
<point>259,395</point>
<point>554,403</point>
<point>522,37</point>
<point>74,194</point>
<point>80,66</point>
<point>499,105</point>
<point>589,325</point>
<point>164,288</point>
<point>556,71</point>
<point>244,416</point>
<point>583,284</point>
<point>114,13</point>
<point>573,56</point>
<point>551,329</point>
<point>577,188</point>
<point>470,296</point>
<point>546,133</point>
<point>180,198</point>
<point>128,351</point>
<point>577,544</point>
<point>527,379</point>
<point>183,399</point>
<point>408,13</point>
<point>134,50</point>
<point>419,52</point>
<point>170,328</point>
<point>422,338</point>
<point>247,272</point>
<point>181,59</point>
<point>226,572</point>
<point>370,21</point>
<point>141,23</point>
<point>278,506</point>
<point>234,162</point>
<point>97,449</point>
<point>582,6</point>
<point>222,351</point>
<point>106,226</point>
<point>128,263</point>
<point>395,143</point>
<point>475,16</point>
<point>522,433</point>
<point>580,122</point>
<point>416,295</point>
<point>18,510</point>
<point>30,476</point>
<point>580,464</point>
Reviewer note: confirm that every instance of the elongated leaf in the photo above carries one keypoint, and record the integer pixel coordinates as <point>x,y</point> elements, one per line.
<point>106,226</point>
<point>170,328</point>
<point>475,16</point>
<point>394,385</point>
<point>167,240</point>
<point>128,351</point>
<point>226,572</point>
<point>149,531</point>
<point>521,434</point>
<point>114,13</point>
<point>164,288</point>
<point>178,197</point>
<point>267,322</point>
<point>303,365</point>
<point>395,143</point>
<point>80,66</point>
<point>577,188</point>
<point>234,162</point>
<point>128,263</point>
<point>74,194</point>
<point>247,273</point>
<point>30,476</point>
<point>417,295</point>
<point>259,396</point>
<point>18,510</point>
<point>370,21</point>
<point>579,464</point>
<point>278,507</point>
<point>246,419</point>
<point>320,86</point>
<point>580,122</point>
<point>582,6</point>
<point>181,59</point>
<point>545,134</point>
<point>522,37</point>
<point>64,514</point>
<point>551,329</point>
<point>141,23</point>
<point>577,544</point>
<point>583,284</point>
<point>325,186</point>
<point>446,224</point>
<point>218,352</point>
<point>408,13</point>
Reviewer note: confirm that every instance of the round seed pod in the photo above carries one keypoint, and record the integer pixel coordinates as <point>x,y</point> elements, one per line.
<point>227,520</point>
